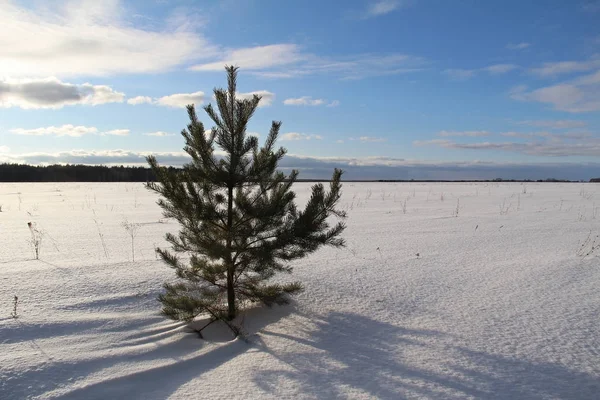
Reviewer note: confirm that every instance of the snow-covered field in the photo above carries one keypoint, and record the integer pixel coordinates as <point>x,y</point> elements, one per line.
<point>443,291</point>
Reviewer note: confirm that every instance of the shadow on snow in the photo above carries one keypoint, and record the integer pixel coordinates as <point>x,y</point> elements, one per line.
<point>337,353</point>
<point>348,351</point>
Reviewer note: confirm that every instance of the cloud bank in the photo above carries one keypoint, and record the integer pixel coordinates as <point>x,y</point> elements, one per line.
<point>85,38</point>
<point>286,60</point>
<point>53,93</point>
<point>371,168</point>
<point>68,130</point>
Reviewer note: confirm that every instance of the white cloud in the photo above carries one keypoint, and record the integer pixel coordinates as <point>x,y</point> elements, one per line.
<point>304,101</point>
<point>438,142</point>
<point>500,68</point>
<point>116,132</point>
<point>299,136</point>
<point>339,141</point>
<point>518,46</point>
<point>568,97</point>
<point>556,137</point>
<point>99,38</point>
<point>464,133</point>
<point>383,7</point>
<point>266,97</point>
<point>542,144</point>
<point>546,149</point>
<point>96,157</point>
<point>288,61</point>
<point>4,149</point>
<point>591,79</point>
<point>464,74</point>
<point>516,91</point>
<point>369,139</point>
<point>253,58</point>
<point>555,124</point>
<point>576,95</point>
<point>180,100</point>
<point>368,65</point>
<point>552,69</point>
<point>68,130</point>
<point>334,103</point>
<point>64,130</point>
<point>91,38</point>
<point>139,100</point>
<point>53,93</point>
<point>159,134</point>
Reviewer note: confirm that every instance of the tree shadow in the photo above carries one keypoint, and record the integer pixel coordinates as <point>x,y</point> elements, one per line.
<point>159,348</point>
<point>347,354</point>
<point>340,354</point>
<point>112,303</point>
<point>28,331</point>
<point>504,377</point>
<point>162,381</point>
<point>350,352</point>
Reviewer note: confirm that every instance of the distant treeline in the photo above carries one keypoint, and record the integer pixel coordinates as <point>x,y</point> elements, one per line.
<point>102,173</point>
<point>488,180</point>
<point>73,173</point>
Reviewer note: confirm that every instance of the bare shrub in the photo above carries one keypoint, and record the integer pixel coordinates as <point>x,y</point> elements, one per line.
<point>14,312</point>
<point>457,209</point>
<point>37,235</point>
<point>132,229</point>
<point>504,207</point>
<point>101,235</point>
<point>589,245</point>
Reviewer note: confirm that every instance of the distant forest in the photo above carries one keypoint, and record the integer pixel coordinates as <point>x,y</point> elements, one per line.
<point>102,173</point>
<point>73,173</point>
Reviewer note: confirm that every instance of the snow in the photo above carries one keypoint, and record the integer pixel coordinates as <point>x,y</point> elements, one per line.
<point>498,304</point>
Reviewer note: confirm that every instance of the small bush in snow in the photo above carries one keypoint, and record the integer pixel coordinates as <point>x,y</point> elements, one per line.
<point>101,235</point>
<point>132,229</point>
<point>14,313</point>
<point>504,207</point>
<point>404,206</point>
<point>457,209</point>
<point>589,245</point>
<point>36,239</point>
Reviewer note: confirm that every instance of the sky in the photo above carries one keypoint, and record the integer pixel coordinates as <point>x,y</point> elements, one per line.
<point>384,89</point>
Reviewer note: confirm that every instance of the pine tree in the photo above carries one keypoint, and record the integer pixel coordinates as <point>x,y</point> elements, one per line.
<point>239,222</point>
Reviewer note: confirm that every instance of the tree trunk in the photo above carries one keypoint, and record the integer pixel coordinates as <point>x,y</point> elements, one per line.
<point>230,295</point>
<point>230,186</point>
<point>230,269</point>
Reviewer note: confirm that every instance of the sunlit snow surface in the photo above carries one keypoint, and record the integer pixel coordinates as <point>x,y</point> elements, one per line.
<point>500,302</point>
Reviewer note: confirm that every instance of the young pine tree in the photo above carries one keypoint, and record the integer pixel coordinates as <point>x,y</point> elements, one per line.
<point>239,222</point>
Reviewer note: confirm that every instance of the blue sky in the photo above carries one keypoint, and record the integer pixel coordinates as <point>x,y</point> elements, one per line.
<point>429,89</point>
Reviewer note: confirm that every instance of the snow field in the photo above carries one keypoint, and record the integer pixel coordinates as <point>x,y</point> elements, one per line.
<point>501,301</point>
